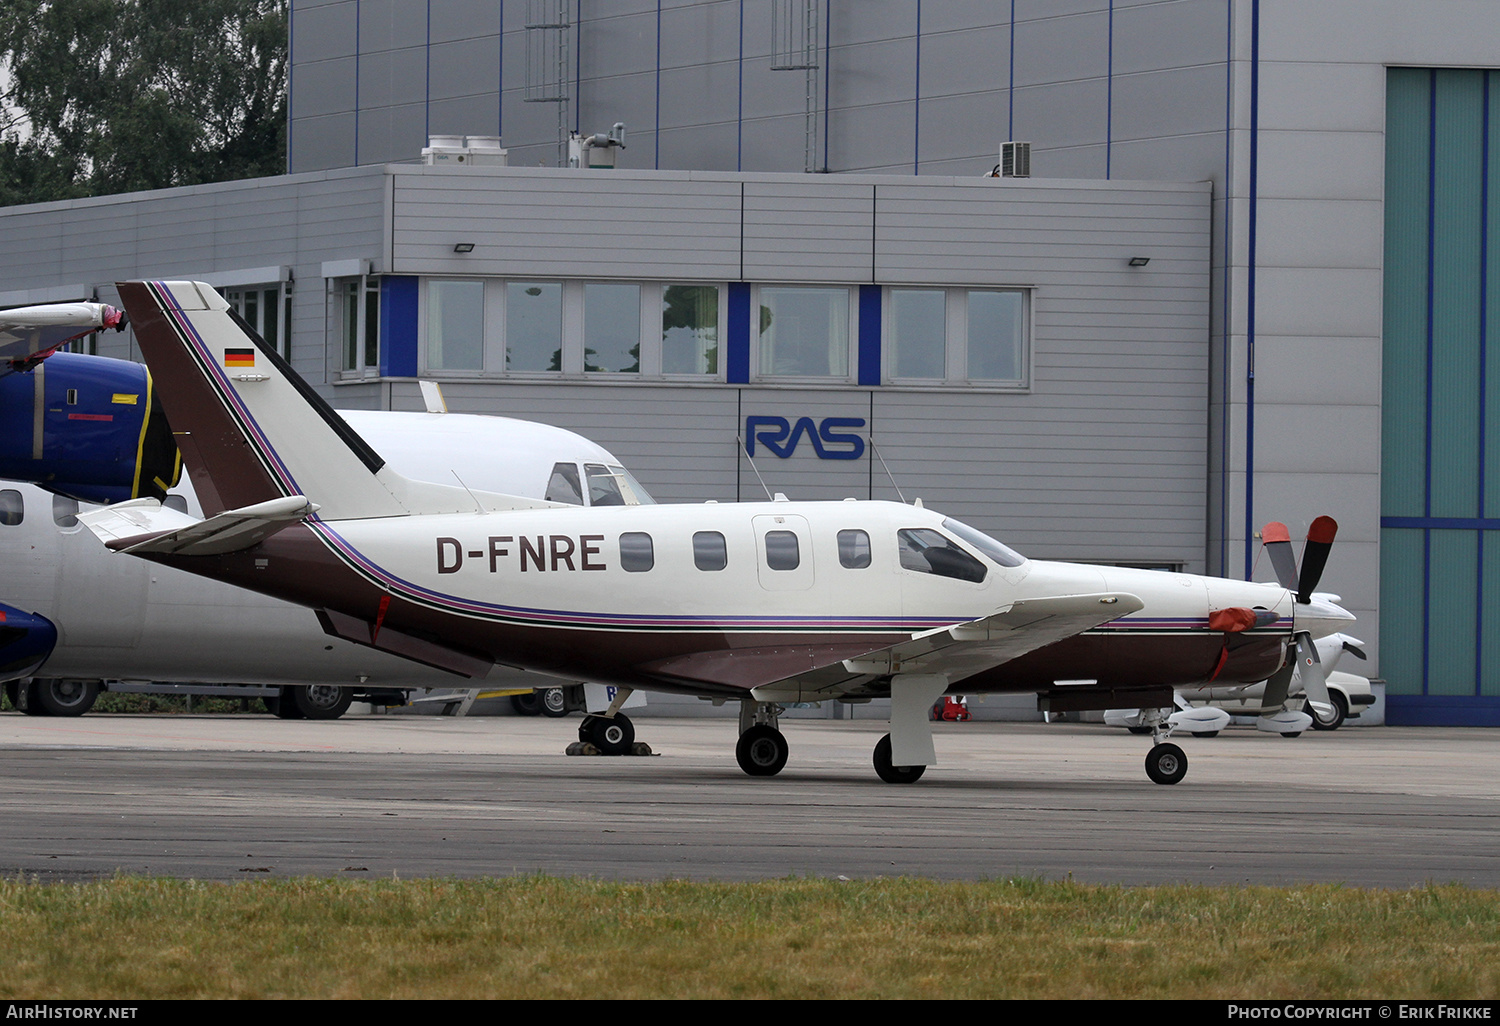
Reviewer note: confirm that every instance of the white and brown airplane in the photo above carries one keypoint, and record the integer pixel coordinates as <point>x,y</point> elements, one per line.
<point>767,602</point>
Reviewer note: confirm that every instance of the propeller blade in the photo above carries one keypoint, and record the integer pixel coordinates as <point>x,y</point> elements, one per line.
<point>1310,668</point>
<point>1278,543</point>
<point>1276,687</point>
<point>1315,556</point>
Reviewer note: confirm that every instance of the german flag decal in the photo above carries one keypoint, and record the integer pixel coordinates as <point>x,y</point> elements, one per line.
<point>239,357</point>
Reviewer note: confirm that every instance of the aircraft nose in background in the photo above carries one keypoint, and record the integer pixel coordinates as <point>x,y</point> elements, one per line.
<point>1322,617</point>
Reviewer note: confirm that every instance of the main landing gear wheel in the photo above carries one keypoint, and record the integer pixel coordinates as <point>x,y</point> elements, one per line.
<point>284,705</point>
<point>762,751</point>
<point>322,701</point>
<point>63,697</point>
<point>1166,763</point>
<point>1335,719</point>
<point>894,774</point>
<point>529,704</point>
<point>553,702</point>
<point>611,736</point>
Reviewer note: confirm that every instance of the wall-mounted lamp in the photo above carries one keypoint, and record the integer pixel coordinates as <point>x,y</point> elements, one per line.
<point>1134,261</point>
<point>463,247</point>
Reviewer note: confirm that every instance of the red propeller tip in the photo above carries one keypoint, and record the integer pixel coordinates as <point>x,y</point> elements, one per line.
<point>1322,530</point>
<point>1276,532</point>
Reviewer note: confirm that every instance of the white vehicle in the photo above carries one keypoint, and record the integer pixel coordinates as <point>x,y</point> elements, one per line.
<point>766,603</point>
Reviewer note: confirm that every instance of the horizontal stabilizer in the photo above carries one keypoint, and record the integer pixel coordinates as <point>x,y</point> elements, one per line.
<point>963,649</point>
<point>30,330</point>
<point>144,526</point>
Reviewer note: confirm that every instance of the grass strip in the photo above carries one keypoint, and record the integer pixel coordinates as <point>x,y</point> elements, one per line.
<point>548,937</point>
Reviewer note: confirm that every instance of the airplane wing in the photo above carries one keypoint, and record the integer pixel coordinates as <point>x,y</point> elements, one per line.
<point>28,330</point>
<point>961,650</point>
<point>144,525</point>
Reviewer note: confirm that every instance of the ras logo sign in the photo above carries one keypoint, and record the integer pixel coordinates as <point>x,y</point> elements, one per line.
<point>781,436</point>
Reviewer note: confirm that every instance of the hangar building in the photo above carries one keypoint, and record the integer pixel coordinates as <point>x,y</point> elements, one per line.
<point>1248,277</point>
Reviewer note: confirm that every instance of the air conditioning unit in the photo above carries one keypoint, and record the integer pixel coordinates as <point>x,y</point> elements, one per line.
<point>1015,160</point>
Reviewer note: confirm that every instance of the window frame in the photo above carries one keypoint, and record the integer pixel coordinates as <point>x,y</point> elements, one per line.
<point>236,297</point>
<point>573,331</point>
<point>956,339</point>
<point>368,289</point>
<point>851,330</point>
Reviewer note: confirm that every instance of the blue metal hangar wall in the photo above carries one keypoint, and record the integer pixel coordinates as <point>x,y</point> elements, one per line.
<point>1311,187</point>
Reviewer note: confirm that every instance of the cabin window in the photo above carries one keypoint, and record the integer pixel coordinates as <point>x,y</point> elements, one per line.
<point>709,551</point>
<point>928,552</point>
<point>177,502</point>
<point>563,486</point>
<point>64,511</point>
<point>781,550</point>
<point>637,555</point>
<point>12,508</point>
<point>854,549</point>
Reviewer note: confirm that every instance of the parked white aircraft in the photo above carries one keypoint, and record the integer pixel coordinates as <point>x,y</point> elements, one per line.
<point>768,603</point>
<point>124,619</point>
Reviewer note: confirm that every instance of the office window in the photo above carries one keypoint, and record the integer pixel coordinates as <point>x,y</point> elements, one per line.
<point>956,337</point>
<point>995,338</point>
<point>358,315</point>
<point>612,328</point>
<point>918,332</point>
<point>533,326</point>
<point>455,325</point>
<point>803,332</point>
<point>268,310</point>
<point>690,329</point>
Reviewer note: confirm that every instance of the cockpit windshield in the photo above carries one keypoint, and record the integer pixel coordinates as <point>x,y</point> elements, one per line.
<point>613,486</point>
<point>984,543</point>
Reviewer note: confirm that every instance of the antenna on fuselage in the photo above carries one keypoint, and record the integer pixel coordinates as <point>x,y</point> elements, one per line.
<point>753,467</point>
<point>460,480</point>
<point>876,450</point>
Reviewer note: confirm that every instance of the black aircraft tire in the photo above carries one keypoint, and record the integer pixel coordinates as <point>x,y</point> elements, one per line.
<point>1205,733</point>
<point>762,751</point>
<point>1166,764</point>
<point>1340,710</point>
<point>611,736</point>
<point>528,704</point>
<point>58,697</point>
<point>285,705</point>
<point>553,702</point>
<point>31,702</point>
<point>322,701</point>
<point>894,774</point>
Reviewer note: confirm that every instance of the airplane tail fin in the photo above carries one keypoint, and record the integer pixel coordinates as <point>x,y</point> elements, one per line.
<point>251,430</point>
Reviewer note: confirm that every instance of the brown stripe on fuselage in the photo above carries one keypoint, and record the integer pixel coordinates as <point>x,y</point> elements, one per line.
<point>225,470</point>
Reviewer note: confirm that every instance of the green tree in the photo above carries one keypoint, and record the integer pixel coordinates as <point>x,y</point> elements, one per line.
<point>123,95</point>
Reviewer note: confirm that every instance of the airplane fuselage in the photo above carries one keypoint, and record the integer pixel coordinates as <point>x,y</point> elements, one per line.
<point>722,598</point>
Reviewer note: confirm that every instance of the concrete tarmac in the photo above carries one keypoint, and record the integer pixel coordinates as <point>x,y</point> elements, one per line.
<point>245,797</point>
